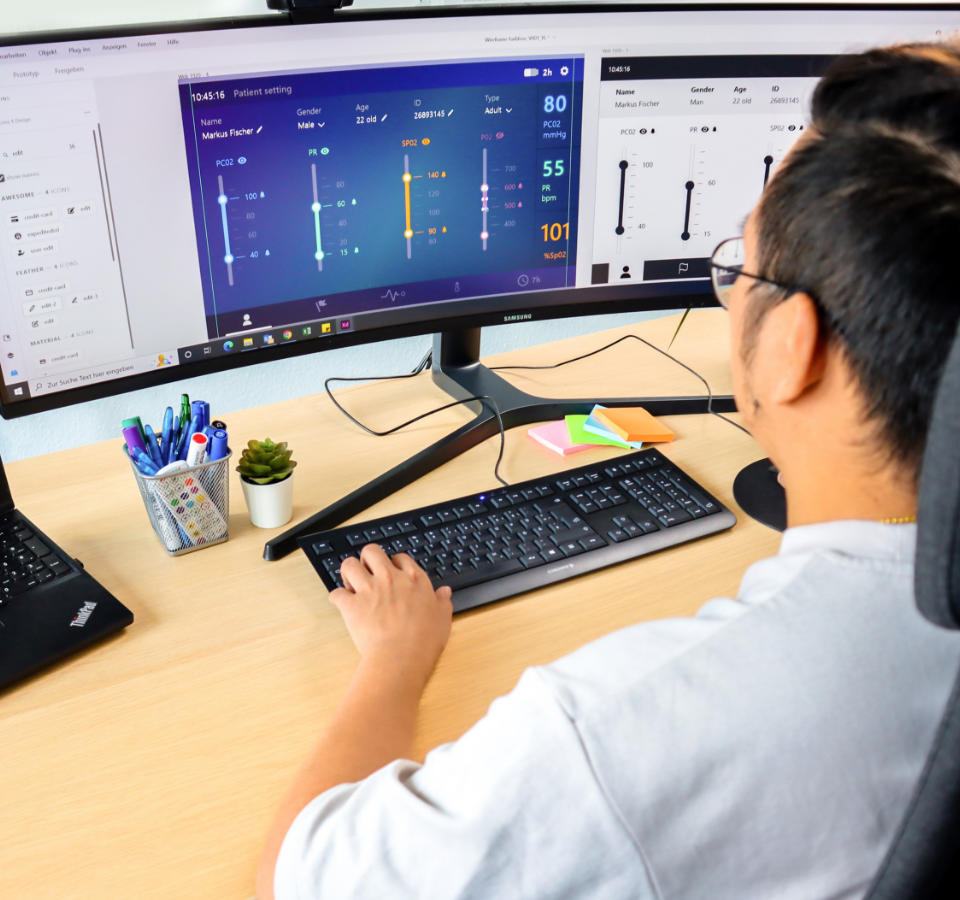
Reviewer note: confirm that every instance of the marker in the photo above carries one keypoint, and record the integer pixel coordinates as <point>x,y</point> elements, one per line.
<point>197,408</point>
<point>218,424</point>
<point>135,423</point>
<point>166,434</point>
<point>153,448</point>
<point>184,407</point>
<point>206,412</point>
<point>197,449</point>
<point>218,446</point>
<point>131,434</point>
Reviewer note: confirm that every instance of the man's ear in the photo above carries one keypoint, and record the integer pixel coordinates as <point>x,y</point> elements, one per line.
<point>795,339</point>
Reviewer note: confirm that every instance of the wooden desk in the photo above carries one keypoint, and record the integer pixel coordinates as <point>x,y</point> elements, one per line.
<point>148,767</point>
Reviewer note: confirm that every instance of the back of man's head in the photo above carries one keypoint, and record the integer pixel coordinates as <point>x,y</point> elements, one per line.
<point>864,216</point>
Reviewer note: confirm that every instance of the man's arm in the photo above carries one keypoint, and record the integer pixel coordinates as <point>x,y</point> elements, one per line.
<point>400,626</point>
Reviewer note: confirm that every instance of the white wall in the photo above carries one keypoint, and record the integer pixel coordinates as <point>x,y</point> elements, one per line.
<point>254,385</point>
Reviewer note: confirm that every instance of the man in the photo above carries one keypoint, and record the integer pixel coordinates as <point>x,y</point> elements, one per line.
<point>767,747</point>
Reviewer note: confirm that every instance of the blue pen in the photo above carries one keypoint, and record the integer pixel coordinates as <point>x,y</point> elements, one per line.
<point>174,440</point>
<point>153,448</point>
<point>195,426</point>
<point>143,461</point>
<point>206,412</point>
<point>165,434</point>
<point>218,446</point>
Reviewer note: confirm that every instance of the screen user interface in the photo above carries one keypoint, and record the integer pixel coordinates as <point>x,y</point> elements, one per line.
<point>177,198</point>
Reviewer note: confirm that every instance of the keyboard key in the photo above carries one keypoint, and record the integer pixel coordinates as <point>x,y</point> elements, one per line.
<point>545,490</point>
<point>430,520</point>
<point>532,560</point>
<point>549,554</point>
<point>675,518</point>
<point>530,493</point>
<point>356,538</point>
<point>447,515</point>
<point>462,512</point>
<point>389,530</point>
<point>45,576</point>
<point>477,508</point>
<point>571,548</point>
<point>592,542</point>
<point>617,535</point>
<point>23,535</point>
<point>593,477</point>
<point>572,534</point>
<point>37,546</point>
<point>566,484</point>
<point>406,526</point>
<point>501,502</point>
<point>322,547</point>
<point>373,535</point>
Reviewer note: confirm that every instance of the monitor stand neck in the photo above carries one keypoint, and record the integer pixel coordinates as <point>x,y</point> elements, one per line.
<point>458,371</point>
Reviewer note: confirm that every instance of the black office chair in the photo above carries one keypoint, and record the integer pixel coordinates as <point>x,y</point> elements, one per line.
<point>923,861</point>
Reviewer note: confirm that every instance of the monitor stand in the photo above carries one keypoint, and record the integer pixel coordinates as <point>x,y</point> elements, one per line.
<point>458,370</point>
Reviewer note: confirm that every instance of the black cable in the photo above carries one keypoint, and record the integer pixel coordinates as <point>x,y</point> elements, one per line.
<point>710,408</point>
<point>420,367</point>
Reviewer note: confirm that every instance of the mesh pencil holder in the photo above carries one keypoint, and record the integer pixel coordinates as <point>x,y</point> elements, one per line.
<point>188,509</point>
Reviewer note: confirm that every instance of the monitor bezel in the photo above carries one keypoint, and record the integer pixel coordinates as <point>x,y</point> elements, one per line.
<point>564,303</point>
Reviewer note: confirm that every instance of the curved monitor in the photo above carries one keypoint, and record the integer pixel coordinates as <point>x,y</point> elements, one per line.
<point>184,200</point>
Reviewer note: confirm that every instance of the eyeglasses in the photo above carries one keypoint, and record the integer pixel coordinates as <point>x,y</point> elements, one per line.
<point>726,266</point>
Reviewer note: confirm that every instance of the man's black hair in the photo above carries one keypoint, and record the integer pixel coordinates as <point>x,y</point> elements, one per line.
<point>865,217</point>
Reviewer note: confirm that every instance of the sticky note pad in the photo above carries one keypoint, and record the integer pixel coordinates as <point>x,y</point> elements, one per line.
<point>634,424</point>
<point>594,426</point>
<point>579,435</point>
<point>555,436</point>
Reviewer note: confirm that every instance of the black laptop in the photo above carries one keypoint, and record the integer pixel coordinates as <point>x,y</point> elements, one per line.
<point>49,606</point>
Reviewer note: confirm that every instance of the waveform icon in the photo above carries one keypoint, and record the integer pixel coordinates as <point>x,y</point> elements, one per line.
<point>393,295</point>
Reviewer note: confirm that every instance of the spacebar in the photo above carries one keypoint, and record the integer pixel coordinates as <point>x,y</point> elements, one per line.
<point>484,573</point>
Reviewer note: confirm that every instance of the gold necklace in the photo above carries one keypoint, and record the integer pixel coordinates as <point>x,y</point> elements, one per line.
<point>898,520</point>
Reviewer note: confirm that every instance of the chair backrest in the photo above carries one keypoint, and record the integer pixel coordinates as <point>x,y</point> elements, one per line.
<point>926,846</point>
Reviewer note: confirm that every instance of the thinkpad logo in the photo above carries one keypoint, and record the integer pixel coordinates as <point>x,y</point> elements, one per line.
<point>80,619</point>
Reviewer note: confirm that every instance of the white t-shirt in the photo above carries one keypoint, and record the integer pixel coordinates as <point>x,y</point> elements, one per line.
<point>765,748</point>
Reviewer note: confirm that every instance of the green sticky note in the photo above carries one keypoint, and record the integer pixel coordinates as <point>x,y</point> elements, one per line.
<point>579,436</point>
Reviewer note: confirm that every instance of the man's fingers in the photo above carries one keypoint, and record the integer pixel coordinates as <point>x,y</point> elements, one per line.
<point>354,574</point>
<point>405,563</point>
<point>373,557</point>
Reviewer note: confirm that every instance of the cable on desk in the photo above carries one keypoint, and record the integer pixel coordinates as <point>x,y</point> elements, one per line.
<point>636,337</point>
<point>423,364</point>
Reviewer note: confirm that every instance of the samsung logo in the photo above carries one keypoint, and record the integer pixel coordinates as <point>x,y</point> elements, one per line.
<point>519,318</point>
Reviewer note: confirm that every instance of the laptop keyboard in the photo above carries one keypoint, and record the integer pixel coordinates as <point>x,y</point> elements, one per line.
<point>26,562</point>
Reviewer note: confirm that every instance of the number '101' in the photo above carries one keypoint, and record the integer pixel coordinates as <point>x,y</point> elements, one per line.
<point>556,231</point>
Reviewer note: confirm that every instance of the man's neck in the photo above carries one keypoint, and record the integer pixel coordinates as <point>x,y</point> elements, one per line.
<point>825,486</point>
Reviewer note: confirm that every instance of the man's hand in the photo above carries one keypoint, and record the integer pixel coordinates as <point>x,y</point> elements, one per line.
<point>392,612</point>
<point>400,626</point>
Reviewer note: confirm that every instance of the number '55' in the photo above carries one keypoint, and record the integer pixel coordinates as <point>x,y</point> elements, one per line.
<point>552,167</point>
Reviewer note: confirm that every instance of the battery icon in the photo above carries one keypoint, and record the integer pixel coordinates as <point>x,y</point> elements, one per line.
<point>531,73</point>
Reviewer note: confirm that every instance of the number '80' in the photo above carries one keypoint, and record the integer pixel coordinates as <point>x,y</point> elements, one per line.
<point>554,104</point>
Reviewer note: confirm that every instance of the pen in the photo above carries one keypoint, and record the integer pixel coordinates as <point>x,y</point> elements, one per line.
<point>195,426</point>
<point>165,434</point>
<point>153,448</point>
<point>174,440</point>
<point>184,409</point>
<point>142,461</point>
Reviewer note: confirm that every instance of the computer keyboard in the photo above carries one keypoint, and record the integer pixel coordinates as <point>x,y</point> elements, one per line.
<point>495,544</point>
<point>25,560</point>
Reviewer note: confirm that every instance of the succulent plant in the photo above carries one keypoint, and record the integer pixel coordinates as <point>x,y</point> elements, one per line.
<point>265,461</point>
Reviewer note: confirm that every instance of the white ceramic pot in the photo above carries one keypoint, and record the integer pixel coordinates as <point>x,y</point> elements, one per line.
<point>270,505</point>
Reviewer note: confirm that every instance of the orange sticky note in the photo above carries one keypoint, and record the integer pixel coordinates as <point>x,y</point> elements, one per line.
<point>634,424</point>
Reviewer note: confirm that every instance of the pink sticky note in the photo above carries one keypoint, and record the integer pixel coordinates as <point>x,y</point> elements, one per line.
<point>556,436</point>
